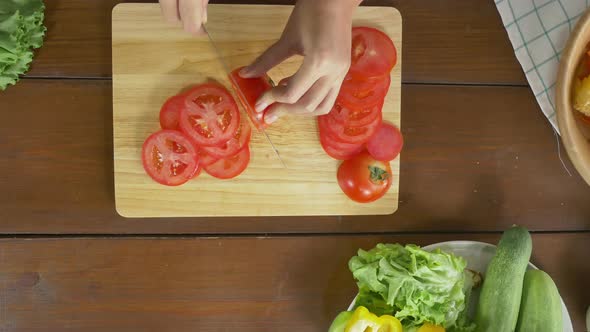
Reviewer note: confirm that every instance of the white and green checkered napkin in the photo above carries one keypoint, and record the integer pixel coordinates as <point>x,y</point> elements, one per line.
<point>538,30</point>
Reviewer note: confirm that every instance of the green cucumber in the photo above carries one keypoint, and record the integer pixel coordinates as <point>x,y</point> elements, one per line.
<point>540,307</point>
<point>499,302</point>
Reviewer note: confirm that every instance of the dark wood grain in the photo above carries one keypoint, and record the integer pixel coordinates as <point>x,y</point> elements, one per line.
<point>444,41</point>
<point>476,158</point>
<point>242,284</point>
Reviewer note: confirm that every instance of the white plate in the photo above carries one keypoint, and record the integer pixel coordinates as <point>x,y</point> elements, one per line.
<point>478,255</point>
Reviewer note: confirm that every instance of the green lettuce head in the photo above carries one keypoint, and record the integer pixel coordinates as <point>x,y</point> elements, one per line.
<point>21,31</point>
<point>414,285</point>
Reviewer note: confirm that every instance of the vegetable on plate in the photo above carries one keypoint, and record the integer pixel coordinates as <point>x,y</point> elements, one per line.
<point>414,285</point>
<point>362,320</point>
<point>21,31</point>
<point>540,306</point>
<point>499,301</point>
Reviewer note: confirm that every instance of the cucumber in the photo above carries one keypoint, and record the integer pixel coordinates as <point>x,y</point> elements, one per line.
<point>499,301</point>
<point>540,307</point>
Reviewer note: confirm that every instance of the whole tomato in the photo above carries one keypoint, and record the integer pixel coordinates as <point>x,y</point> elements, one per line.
<point>364,179</point>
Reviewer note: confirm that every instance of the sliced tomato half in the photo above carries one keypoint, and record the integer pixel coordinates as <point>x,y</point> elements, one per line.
<point>235,144</point>
<point>230,167</point>
<point>386,144</point>
<point>211,115</point>
<point>205,159</point>
<point>351,134</point>
<point>170,112</point>
<point>169,157</point>
<point>248,91</point>
<point>373,54</point>
<point>338,150</point>
<point>355,117</point>
<point>363,94</point>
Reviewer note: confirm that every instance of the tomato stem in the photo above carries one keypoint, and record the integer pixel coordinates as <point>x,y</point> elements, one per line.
<point>378,174</point>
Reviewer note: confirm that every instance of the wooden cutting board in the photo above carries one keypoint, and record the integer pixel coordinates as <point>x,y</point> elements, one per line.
<point>153,61</point>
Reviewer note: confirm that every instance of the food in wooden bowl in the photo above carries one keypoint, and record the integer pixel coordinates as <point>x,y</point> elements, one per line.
<point>573,97</point>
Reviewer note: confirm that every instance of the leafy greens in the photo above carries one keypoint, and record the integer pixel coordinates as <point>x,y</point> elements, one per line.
<point>412,284</point>
<point>21,31</point>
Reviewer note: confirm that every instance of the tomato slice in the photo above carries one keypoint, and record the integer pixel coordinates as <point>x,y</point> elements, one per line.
<point>235,144</point>
<point>248,91</point>
<point>373,54</point>
<point>211,116</point>
<point>169,157</point>
<point>198,171</point>
<point>364,179</point>
<point>386,144</point>
<point>350,134</point>
<point>357,117</point>
<point>367,93</point>
<point>170,112</point>
<point>205,159</point>
<point>338,150</point>
<point>230,167</point>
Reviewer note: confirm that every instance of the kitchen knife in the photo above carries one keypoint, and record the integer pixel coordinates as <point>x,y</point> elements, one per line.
<point>242,97</point>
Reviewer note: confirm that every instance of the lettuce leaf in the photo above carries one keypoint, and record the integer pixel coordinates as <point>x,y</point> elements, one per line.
<point>21,31</point>
<point>414,285</point>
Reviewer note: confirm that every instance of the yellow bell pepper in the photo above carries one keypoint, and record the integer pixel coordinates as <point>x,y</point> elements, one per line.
<point>364,321</point>
<point>427,327</point>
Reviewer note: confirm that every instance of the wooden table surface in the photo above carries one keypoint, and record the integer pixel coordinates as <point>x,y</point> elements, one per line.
<point>479,157</point>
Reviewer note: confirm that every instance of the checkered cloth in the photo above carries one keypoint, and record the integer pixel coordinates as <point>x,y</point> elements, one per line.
<point>538,30</point>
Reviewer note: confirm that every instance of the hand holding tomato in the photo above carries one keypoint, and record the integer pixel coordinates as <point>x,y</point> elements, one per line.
<point>192,13</point>
<point>320,31</point>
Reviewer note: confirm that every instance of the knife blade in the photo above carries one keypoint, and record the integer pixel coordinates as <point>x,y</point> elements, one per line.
<point>241,95</point>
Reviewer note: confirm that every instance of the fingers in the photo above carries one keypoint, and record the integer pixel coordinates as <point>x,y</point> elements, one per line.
<point>326,105</point>
<point>279,110</point>
<point>298,85</point>
<point>274,55</point>
<point>204,11</point>
<point>170,10</point>
<point>316,94</point>
<point>191,14</point>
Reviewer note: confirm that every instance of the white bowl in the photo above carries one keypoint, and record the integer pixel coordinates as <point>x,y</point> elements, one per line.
<point>478,255</point>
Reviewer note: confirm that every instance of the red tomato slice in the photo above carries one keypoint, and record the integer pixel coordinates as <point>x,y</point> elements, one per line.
<point>248,90</point>
<point>170,112</point>
<point>169,157</point>
<point>373,53</point>
<point>361,116</point>
<point>230,167</point>
<point>211,116</point>
<point>356,94</point>
<point>205,159</point>
<point>386,144</point>
<point>364,179</point>
<point>235,144</point>
<point>338,150</point>
<point>351,134</point>
<point>197,171</point>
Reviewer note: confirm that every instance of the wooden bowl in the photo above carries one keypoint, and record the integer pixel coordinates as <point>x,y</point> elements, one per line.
<point>568,119</point>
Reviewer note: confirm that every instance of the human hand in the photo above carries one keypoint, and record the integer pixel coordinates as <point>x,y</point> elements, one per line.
<point>321,32</point>
<point>192,13</point>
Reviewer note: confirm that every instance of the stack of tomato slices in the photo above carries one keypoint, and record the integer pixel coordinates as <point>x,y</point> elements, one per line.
<point>355,121</point>
<point>201,128</point>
